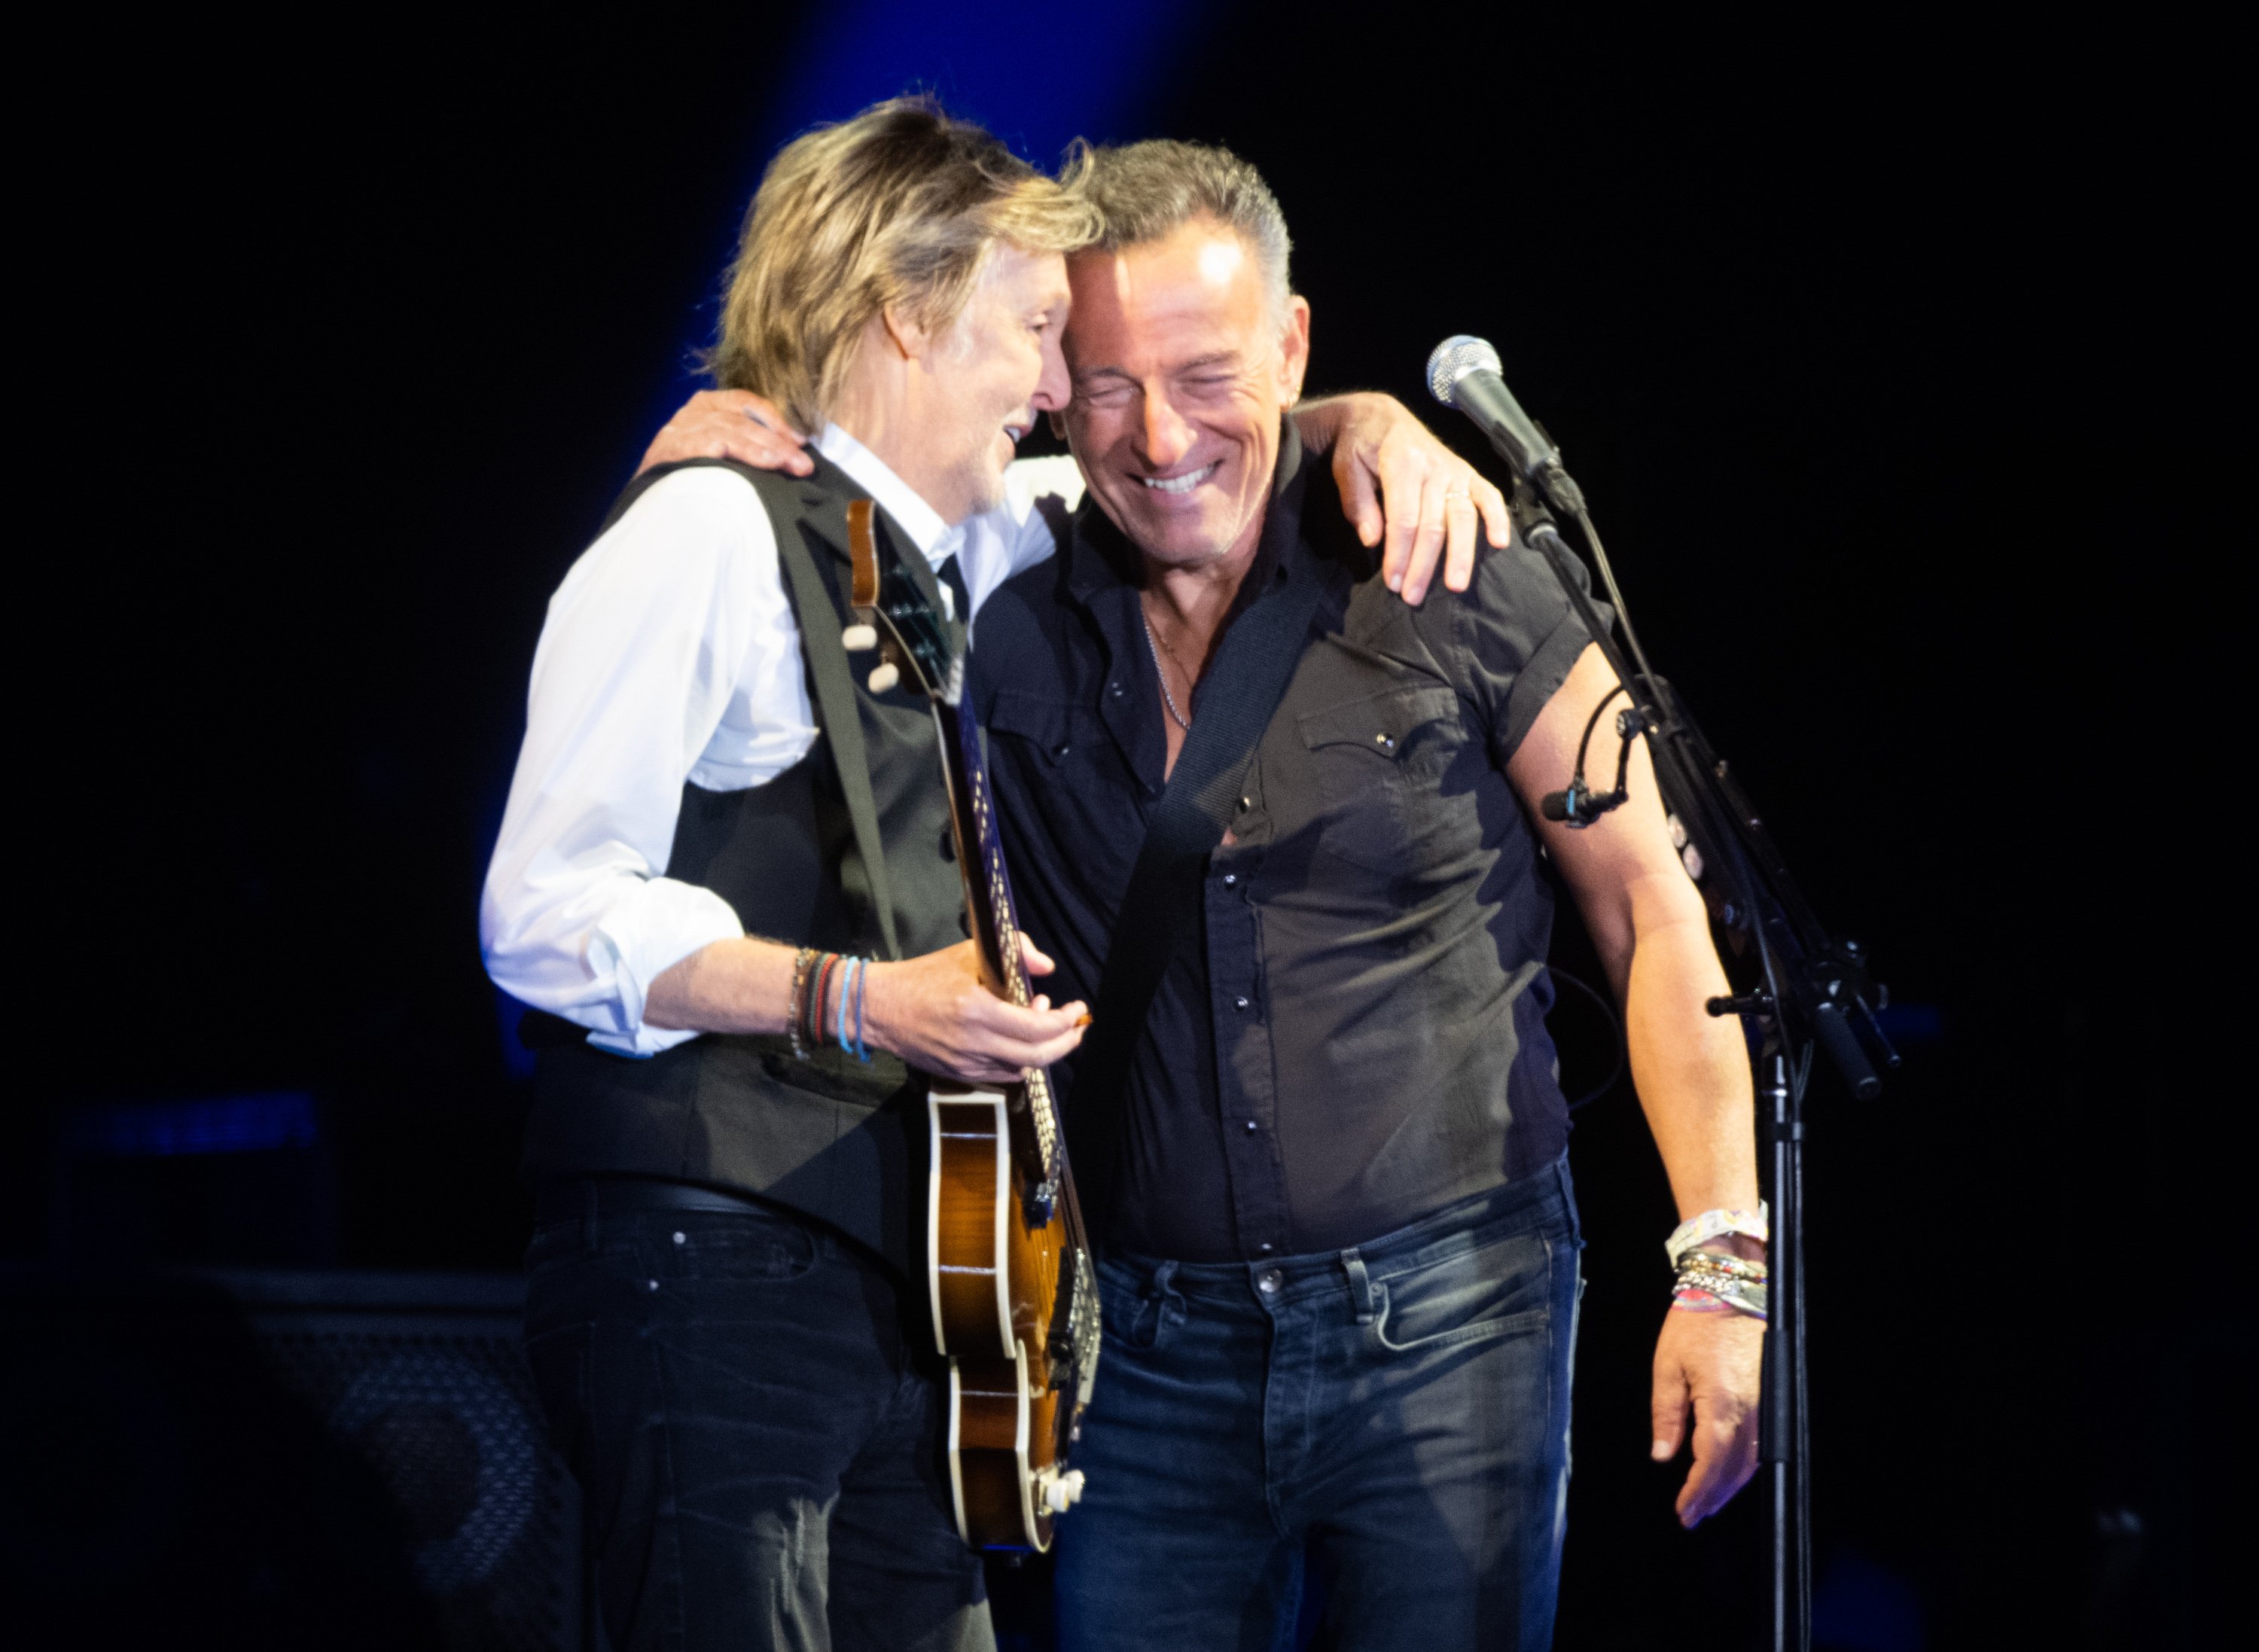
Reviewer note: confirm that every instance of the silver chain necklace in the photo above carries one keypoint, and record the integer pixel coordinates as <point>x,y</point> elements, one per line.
<point>1167,699</point>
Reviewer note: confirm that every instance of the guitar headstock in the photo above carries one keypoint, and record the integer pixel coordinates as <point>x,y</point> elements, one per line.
<point>894,617</point>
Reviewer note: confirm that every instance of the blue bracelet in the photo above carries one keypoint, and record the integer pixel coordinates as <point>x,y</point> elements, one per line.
<point>846,985</point>
<point>862,981</point>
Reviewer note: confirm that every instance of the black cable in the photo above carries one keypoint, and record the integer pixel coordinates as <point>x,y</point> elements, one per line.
<point>1593,722</point>
<point>1615,1032</point>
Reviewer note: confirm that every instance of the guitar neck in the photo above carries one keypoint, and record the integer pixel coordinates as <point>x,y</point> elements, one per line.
<point>979,854</point>
<point>996,928</point>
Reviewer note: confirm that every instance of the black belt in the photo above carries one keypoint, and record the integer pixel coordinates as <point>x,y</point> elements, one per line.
<point>577,1200</point>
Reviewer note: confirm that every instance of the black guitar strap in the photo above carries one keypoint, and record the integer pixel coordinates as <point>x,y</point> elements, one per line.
<point>1161,909</point>
<point>830,675</point>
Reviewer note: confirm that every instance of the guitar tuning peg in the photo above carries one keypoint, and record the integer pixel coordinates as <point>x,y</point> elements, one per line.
<point>884,678</point>
<point>858,638</point>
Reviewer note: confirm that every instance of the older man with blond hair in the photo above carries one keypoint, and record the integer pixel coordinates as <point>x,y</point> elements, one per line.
<point>722,881</point>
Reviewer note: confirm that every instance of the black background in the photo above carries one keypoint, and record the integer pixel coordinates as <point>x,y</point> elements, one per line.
<point>1895,353</point>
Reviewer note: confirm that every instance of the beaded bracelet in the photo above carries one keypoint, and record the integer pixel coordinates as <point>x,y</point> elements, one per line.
<point>1712,1223</point>
<point>1709,1282</point>
<point>796,1002</point>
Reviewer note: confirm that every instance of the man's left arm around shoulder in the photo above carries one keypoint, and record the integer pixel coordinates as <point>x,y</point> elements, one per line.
<point>1690,1068</point>
<point>1399,483</point>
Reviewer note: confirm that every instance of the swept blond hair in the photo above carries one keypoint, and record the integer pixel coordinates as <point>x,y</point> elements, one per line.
<point>899,208</point>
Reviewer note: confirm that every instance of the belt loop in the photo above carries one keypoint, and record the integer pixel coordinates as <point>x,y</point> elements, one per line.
<point>1164,1288</point>
<point>1360,1283</point>
<point>588,1214</point>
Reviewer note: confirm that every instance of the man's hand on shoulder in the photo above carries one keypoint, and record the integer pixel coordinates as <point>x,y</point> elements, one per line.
<point>1710,1363</point>
<point>730,424</point>
<point>1401,484</point>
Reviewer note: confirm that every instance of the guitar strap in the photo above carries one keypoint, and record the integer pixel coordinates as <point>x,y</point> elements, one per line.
<point>1161,909</point>
<point>833,679</point>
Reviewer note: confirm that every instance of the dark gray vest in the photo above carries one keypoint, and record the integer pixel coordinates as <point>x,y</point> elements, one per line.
<point>831,1138</point>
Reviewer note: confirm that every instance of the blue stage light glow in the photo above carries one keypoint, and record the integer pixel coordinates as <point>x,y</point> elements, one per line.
<point>220,1124</point>
<point>1038,75</point>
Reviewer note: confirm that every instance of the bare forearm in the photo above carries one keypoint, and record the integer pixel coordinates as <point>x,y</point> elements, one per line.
<point>743,985</point>
<point>1690,1068</point>
<point>935,1011</point>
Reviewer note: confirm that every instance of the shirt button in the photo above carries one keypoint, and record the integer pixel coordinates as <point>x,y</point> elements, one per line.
<point>1386,743</point>
<point>1270,1281</point>
<point>1252,1127</point>
<point>1266,1247</point>
<point>1239,1003</point>
<point>1229,878</point>
<point>1060,750</point>
<point>1114,688</point>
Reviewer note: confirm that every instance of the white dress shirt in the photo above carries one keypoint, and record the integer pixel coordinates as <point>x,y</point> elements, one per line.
<point>671,653</point>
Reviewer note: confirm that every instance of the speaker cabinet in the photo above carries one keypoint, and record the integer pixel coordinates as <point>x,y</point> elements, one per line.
<point>257,1460</point>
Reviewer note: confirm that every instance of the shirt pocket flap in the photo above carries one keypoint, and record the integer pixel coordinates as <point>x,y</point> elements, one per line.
<point>1383,723</point>
<point>1051,726</point>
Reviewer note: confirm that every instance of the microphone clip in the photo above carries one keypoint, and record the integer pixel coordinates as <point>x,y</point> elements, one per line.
<point>1579,806</point>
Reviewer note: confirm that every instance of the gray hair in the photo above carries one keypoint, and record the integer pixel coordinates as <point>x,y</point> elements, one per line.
<point>1146,191</point>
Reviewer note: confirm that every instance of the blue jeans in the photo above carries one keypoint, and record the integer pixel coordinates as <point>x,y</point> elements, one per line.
<point>755,1413</point>
<point>1396,1415</point>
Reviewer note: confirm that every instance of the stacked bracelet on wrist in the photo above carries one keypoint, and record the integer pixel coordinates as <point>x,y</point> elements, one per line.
<point>1713,1224</point>
<point>795,1014</point>
<point>1709,1282</point>
<point>809,1020</point>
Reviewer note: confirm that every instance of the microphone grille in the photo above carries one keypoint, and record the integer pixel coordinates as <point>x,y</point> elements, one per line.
<point>1453,360</point>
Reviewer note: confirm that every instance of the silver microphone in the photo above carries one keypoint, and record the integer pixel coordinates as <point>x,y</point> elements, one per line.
<point>1462,373</point>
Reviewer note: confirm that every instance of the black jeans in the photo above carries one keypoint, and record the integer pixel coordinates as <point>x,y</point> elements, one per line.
<point>756,1423</point>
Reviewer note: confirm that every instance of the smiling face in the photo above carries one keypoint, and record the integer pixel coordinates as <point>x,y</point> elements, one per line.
<point>986,379</point>
<point>1181,371</point>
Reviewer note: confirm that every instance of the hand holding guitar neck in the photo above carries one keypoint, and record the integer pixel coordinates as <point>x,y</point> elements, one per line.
<point>940,1015</point>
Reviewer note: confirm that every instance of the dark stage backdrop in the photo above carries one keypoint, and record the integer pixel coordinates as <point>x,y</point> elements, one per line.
<point>1893,349</point>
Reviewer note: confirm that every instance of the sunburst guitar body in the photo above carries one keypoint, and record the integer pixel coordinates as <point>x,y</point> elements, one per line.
<point>1009,1273</point>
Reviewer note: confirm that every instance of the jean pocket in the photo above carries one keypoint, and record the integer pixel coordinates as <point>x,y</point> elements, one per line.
<point>1500,1289</point>
<point>1138,1318</point>
<point>756,1248</point>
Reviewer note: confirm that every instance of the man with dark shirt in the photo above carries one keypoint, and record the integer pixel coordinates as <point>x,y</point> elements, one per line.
<point>1341,1275</point>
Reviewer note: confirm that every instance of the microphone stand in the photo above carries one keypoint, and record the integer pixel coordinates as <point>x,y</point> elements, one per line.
<point>1808,991</point>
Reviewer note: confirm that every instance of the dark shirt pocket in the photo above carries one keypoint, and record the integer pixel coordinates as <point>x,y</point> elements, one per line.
<point>1059,776</point>
<point>1048,728</point>
<point>1370,763</point>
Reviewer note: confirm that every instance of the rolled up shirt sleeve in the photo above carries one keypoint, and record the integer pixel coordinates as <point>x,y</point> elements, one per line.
<point>643,646</point>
